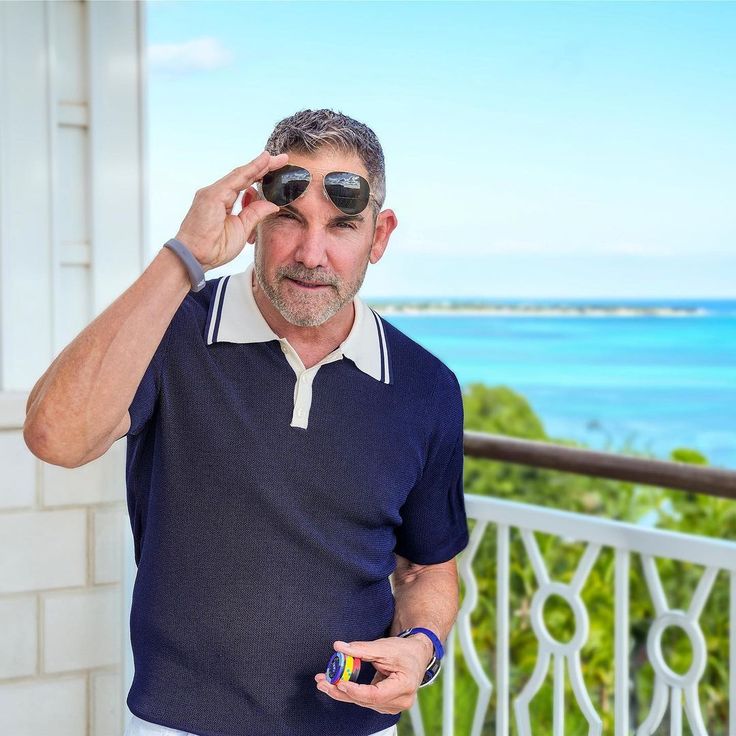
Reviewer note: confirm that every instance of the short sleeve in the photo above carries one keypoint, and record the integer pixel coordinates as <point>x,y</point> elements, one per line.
<point>434,525</point>
<point>146,396</point>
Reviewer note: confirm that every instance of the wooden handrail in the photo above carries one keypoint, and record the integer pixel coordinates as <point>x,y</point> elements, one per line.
<point>664,473</point>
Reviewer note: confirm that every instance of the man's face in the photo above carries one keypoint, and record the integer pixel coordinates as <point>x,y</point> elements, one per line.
<point>312,241</point>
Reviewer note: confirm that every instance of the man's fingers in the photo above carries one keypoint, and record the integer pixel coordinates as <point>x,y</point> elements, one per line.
<point>392,694</point>
<point>367,650</point>
<point>242,177</point>
<point>384,692</point>
<point>329,689</point>
<point>378,677</point>
<point>256,211</point>
<point>380,695</point>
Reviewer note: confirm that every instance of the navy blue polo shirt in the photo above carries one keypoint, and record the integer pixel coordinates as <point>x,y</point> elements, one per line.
<point>267,501</point>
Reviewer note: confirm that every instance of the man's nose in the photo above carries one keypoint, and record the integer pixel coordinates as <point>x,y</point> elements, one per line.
<point>311,248</point>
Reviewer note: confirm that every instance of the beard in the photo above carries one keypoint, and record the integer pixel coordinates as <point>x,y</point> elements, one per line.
<point>300,306</point>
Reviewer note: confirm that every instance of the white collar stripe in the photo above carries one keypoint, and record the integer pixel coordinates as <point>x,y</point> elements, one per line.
<point>385,378</point>
<point>216,311</point>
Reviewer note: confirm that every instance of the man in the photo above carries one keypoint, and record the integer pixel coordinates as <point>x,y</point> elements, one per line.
<point>288,451</point>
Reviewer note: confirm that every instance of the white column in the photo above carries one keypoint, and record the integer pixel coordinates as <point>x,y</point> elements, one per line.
<point>72,238</point>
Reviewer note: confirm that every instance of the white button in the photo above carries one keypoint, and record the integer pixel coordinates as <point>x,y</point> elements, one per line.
<point>305,379</point>
<point>299,413</point>
<point>283,347</point>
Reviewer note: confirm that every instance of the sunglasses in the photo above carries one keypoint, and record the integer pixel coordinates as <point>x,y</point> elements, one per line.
<point>349,192</point>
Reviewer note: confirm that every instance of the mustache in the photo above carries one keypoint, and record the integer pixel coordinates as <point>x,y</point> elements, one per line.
<point>308,279</point>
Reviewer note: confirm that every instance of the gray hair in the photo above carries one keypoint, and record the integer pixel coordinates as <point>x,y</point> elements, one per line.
<point>307,131</point>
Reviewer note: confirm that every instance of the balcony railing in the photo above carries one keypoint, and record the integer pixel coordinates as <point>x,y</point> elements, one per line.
<point>674,694</point>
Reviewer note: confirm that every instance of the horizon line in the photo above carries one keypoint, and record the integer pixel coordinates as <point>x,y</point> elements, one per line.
<point>620,298</point>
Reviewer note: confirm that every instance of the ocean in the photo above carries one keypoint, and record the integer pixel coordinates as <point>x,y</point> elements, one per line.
<point>650,383</point>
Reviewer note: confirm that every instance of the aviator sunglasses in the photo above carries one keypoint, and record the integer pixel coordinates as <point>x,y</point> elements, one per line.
<point>349,192</point>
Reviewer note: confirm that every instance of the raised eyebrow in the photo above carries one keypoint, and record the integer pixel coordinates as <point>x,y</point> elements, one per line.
<point>347,218</point>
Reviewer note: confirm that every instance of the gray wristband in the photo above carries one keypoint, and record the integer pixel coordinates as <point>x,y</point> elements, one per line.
<point>196,274</point>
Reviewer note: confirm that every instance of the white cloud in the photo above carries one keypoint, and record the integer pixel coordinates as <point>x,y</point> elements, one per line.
<point>199,54</point>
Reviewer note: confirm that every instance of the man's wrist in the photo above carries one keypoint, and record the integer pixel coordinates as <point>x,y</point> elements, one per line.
<point>428,646</point>
<point>192,265</point>
<point>174,265</point>
<point>434,664</point>
<point>186,241</point>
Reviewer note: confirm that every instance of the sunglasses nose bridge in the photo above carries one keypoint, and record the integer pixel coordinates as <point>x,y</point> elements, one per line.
<point>323,189</point>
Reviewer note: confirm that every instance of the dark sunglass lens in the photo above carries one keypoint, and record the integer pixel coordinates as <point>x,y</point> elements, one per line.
<point>285,184</point>
<point>349,192</point>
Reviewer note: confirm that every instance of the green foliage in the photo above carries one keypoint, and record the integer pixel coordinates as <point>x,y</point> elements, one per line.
<point>686,455</point>
<point>499,410</point>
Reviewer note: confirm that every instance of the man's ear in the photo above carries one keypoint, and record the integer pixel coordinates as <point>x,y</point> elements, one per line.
<point>249,195</point>
<point>385,224</point>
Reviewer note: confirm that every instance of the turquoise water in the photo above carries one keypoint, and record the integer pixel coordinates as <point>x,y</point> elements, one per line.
<point>655,383</point>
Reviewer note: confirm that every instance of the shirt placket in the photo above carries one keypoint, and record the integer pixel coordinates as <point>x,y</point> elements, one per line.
<point>303,383</point>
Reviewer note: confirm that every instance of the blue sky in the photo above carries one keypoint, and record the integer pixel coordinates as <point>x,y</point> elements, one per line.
<point>533,150</point>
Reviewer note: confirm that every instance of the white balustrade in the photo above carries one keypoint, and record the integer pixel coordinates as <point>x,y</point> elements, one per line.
<point>673,691</point>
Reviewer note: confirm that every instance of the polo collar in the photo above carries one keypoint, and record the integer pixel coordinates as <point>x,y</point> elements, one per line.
<point>235,317</point>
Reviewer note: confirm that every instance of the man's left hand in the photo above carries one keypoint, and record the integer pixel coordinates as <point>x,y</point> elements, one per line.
<point>400,666</point>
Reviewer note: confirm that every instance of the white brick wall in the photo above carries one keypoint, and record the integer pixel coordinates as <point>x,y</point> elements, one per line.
<point>44,708</point>
<point>19,637</point>
<point>19,471</point>
<point>107,706</point>
<point>43,549</point>
<point>61,615</point>
<point>81,630</point>
<point>101,481</point>
<point>109,526</point>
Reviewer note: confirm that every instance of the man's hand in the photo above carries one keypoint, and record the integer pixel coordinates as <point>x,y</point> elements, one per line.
<point>210,231</point>
<point>400,666</point>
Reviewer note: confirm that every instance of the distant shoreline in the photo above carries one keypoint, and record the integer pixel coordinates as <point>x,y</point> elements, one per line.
<point>531,310</point>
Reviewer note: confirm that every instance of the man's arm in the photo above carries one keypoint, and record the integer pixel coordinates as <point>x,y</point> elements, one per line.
<point>79,407</point>
<point>426,595</point>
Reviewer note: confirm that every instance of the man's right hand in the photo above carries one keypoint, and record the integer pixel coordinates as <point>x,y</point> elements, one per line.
<point>212,234</point>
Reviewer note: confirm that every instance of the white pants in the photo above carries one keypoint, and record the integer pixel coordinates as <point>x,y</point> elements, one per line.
<point>138,727</point>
